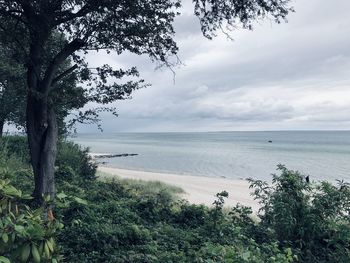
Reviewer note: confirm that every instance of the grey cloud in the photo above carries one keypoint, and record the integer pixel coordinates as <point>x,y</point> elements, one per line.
<point>288,76</point>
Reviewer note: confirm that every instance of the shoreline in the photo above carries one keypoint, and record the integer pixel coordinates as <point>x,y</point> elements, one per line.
<point>197,189</point>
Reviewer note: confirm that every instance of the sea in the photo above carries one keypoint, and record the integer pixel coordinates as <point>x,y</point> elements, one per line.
<point>323,155</point>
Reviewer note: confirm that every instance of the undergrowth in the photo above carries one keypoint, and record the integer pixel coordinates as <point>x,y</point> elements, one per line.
<point>114,220</point>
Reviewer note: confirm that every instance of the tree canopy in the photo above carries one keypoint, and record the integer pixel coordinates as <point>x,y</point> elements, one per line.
<point>12,88</point>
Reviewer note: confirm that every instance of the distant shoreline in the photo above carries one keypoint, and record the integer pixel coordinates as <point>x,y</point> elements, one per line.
<point>197,189</point>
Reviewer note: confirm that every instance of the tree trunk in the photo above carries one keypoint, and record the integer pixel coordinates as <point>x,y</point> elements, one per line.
<point>2,123</point>
<point>42,130</point>
<point>42,138</point>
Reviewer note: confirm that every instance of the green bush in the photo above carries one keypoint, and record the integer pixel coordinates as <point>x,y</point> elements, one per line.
<point>15,146</point>
<point>25,236</point>
<point>313,218</point>
<point>73,160</point>
<point>126,224</point>
<point>14,162</point>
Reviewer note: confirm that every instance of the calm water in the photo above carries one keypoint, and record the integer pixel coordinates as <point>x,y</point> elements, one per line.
<point>321,154</point>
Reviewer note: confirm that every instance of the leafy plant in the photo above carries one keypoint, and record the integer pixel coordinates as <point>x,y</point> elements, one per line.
<point>74,161</point>
<point>216,213</point>
<point>312,218</point>
<point>25,235</point>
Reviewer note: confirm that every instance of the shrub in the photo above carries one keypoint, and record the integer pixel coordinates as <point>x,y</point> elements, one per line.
<point>24,234</point>
<point>191,215</point>
<point>14,162</point>
<point>313,218</point>
<point>72,160</point>
<point>72,157</point>
<point>15,146</point>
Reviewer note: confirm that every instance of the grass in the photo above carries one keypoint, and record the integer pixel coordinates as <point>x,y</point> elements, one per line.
<point>147,187</point>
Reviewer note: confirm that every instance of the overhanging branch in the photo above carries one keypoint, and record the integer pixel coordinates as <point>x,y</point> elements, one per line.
<point>68,50</point>
<point>67,16</point>
<point>64,74</point>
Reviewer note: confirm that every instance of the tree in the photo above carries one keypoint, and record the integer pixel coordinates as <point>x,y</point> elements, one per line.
<point>137,26</point>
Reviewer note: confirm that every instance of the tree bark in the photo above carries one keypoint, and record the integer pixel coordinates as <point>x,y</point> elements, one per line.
<point>42,138</point>
<point>42,128</point>
<point>2,123</point>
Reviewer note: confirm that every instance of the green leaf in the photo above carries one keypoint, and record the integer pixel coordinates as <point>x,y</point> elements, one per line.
<point>5,237</point>
<point>246,255</point>
<point>4,260</point>
<point>36,231</point>
<point>50,244</point>
<point>61,195</point>
<point>80,201</point>
<point>19,229</point>
<point>12,191</point>
<point>24,253</point>
<point>35,254</point>
<point>46,250</point>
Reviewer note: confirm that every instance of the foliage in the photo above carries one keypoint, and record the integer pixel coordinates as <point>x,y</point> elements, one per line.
<point>12,86</point>
<point>113,220</point>
<point>25,235</point>
<point>216,213</point>
<point>130,221</point>
<point>121,224</point>
<point>14,162</point>
<point>15,146</point>
<point>229,15</point>
<point>74,163</point>
<point>313,219</point>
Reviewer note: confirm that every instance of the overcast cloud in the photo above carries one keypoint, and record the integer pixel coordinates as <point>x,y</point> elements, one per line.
<point>277,77</point>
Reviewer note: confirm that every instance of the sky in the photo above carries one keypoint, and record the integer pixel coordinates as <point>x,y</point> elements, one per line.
<point>289,76</point>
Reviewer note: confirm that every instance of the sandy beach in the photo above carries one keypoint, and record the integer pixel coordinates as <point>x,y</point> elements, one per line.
<point>197,190</point>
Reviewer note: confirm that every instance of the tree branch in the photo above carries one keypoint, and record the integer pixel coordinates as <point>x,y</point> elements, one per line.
<point>68,50</point>
<point>69,16</point>
<point>64,74</point>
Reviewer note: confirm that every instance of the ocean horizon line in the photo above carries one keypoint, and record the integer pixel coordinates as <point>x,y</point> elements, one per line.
<point>238,131</point>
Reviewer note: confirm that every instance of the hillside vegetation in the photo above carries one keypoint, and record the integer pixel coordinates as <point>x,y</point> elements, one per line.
<point>129,221</point>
